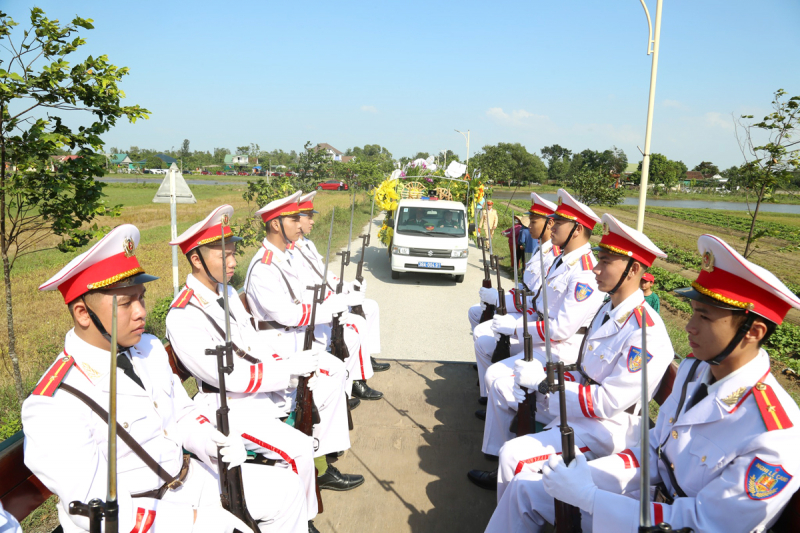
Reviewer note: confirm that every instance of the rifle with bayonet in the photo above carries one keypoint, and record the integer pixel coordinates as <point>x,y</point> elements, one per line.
<point>568,517</point>
<point>338,346</point>
<point>306,414</point>
<point>230,479</point>
<point>645,523</point>
<point>97,510</point>
<point>526,411</point>
<point>358,309</point>
<point>503,348</point>
<point>489,309</point>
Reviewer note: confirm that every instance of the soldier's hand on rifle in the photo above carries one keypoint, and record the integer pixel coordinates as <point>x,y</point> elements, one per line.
<point>528,374</point>
<point>231,448</point>
<point>336,304</point>
<point>504,324</point>
<point>571,484</point>
<point>214,519</point>
<point>488,296</point>
<point>355,298</point>
<point>303,363</point>
<point>362,285</point>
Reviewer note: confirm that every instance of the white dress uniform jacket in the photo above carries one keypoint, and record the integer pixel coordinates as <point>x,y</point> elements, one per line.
<point>257,392</point>
<point>66,446</point>
<point>573,299</point>
<point>736,473</point>
<point>603,413</point>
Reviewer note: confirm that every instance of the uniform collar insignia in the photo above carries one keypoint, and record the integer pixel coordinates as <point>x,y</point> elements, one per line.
<point>732,398</point>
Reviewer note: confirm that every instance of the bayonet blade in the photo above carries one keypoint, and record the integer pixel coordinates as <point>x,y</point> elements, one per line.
<point>352,212</point>
<point>328,253</point>
<point>111,494</point>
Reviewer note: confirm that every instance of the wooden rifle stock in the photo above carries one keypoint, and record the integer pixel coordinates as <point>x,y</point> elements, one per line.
<point>489,310</point>
<point>503,348</point>
<point>568,517</point>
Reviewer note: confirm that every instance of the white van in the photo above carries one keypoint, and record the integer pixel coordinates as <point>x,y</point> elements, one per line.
<point>430,236</point>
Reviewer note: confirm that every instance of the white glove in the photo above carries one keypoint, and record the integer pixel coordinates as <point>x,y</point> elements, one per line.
<point>519,394</point>
<point>360,286</point>
<point>528,374</point>
<point>312,381</point>
<point>231,448</point>
<point>355,298</point>
<point>488,296</point>
<point>504,324</point>
<point>303,363</point>
<point>212,519</point>
<point>337,303</point>
<point>571,484</point>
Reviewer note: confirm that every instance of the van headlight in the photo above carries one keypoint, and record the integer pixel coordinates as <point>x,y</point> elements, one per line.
<point>400,250</point>
<point>459,253</point>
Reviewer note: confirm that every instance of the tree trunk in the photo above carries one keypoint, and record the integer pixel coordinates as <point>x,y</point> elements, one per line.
<point>747,250</point>
<point>4,246</point>
<point>12,338</point>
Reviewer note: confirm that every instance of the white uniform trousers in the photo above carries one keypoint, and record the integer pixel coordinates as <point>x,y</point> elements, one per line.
<point>502,406</point>
<point>274,496</point>
<point>529,452</point>
<point>332,433</point>
<point>293,450</point>
<point>357,363</point>
<point>485,343</point>
<point>372,340</point>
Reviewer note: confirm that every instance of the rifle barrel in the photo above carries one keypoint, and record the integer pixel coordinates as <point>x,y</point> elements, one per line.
<point>111,495</point>
<point>644,472</point>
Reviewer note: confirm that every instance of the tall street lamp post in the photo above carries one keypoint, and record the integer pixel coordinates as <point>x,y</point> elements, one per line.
<point>466,137</point>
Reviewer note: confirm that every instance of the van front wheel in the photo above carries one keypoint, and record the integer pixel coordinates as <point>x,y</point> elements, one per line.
<point>395,274</point>
<point>459,278</point>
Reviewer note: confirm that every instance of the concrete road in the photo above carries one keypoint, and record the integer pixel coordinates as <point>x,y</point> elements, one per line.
<point>423,316</point>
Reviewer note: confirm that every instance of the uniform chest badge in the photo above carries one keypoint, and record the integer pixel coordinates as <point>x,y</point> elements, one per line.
<point>765,480</point>
<point>582,292</point>
<point>635,359</point>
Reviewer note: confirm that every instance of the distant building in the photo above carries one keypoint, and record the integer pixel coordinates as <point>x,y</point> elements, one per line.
<point>332,152</point>
<point>119,160</point>
<point>694,175</point>
<point>166,159</point>
<point>348,158</point>
<point>240,159</point>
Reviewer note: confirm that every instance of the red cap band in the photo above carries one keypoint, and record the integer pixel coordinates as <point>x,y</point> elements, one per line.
<point>738,292</point>
<point>208,235</point>
<point>618,244</point>
<point>99,275</point>
<point>282,211</point>
<point>571,213</point>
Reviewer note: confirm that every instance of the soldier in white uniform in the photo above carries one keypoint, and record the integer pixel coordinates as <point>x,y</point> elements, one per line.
<point>573,299</point>
<point>603,405</point>
<point>541,225</point>
<point>723,455</point>
<point>66,441</point>
<point>311,264</point>
<point>274,295</point>
<point>263,378</point>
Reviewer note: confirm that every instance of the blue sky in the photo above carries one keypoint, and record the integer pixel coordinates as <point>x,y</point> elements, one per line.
<point>405,74</point>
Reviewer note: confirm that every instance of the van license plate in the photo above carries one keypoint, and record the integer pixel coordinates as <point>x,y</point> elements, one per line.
<point>428,264</point>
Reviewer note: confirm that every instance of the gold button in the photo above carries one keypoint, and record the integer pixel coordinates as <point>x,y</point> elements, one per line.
<point>671,420</point>
<point>674,434</point>
<point>165,432</point>
<point>672,466</point>
<point>601,357</point>
<point>156,404</point>
<point>703,459</point>
<point>125,425</point>
<point>761,386</point>
<point>591,347</point>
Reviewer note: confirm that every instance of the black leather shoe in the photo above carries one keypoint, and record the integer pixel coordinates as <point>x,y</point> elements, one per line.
<point>480,414</point>
<point>490,457</point>
<point>311,528</point>
<point>379,367</point>
<point>482,478</point>
<point>363,391</point>
<point>483,400</point>
<point>475,367</point>
<point>353,402</point>
<point>334,456</point>
<point>335,480</point>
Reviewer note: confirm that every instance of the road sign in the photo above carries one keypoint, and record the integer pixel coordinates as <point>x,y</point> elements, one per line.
<point>183,195</point>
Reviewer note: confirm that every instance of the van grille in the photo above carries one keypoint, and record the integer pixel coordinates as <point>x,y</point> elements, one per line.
<point>428,252</point>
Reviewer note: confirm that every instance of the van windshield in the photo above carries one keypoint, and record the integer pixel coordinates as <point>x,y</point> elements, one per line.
<point>431,221</point>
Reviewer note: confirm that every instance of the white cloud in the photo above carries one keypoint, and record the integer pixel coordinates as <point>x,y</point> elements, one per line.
<point>369,109</point>
<point>719,120</point>
<point>517,117</point>
<point>674,104</point>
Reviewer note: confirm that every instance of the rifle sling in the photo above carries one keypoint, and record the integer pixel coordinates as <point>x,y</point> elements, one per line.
<point>316,271</point>
<point>286,281</point>
<point>169,481</point>
<point>662,456</point>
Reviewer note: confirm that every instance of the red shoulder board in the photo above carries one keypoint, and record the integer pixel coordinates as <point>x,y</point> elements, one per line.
<point>52,379</point>
<point>556,251</point>
<point>690,356</point>
<point>771,410</point>
<point>183,298</point>
<point>586,262</point>
<point>290,246</point>
<point>267,259</point>
<point>638,312</point>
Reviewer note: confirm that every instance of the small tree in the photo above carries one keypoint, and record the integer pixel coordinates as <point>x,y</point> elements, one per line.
<point>770,165</point>
<point>184,151</point>
<point>314,166</point>
<point>593,187</point>
<point>35,202</point>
